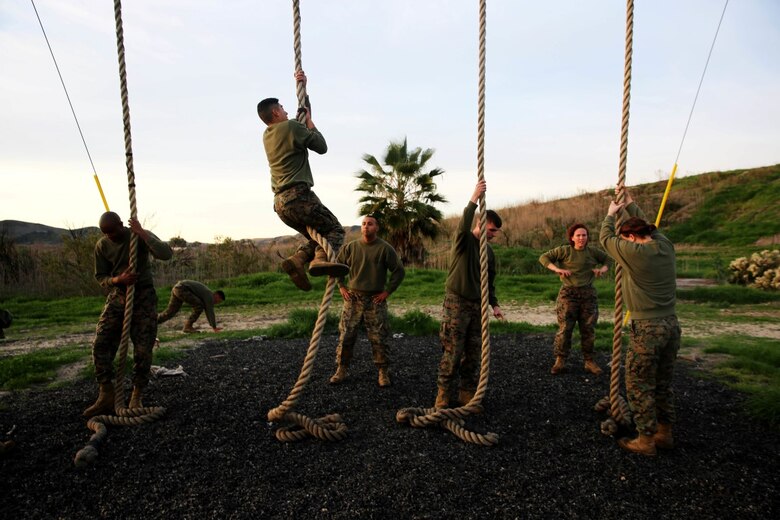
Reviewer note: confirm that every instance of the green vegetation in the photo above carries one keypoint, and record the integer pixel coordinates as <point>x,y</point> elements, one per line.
<point>37,367</point>
<point>726,295</point>
<point>737,211</point>
<point>403,198</point>
<point>753,367</point>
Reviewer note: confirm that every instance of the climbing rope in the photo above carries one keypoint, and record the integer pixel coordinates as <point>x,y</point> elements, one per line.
<point>124,416</point>
<point>452,419</point>
<point>297,427</point>
<point>618,408</point>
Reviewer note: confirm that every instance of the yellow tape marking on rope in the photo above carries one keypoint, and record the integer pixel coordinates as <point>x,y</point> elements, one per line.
<point>100,189</point>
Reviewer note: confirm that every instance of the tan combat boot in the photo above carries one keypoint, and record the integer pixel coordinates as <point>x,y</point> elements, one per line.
<point>663,437</point>
<point>104,403</point>
<point>339,376</point>
<point>465,396</point>
<point>559,366</point>
<point>442,399</point>
<point>135,398</point>
<point>188,328</point>
<point>592,367</point>
<point>294,267</point>
<point>642,445</point>
<point>320,266</point>
<point>384,378</point>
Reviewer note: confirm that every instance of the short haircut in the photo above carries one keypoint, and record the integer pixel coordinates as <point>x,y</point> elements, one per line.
<point>636,226</point>
<point>493,217</point>
<point>220,294</point>
<point>265,109</point>
<point>573,229</point>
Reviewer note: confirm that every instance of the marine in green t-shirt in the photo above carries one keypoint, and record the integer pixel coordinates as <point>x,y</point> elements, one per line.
<point>577,264</point>
<point>199,297</point>
<point>287,143</point>
<point>461,326</point>
<point>649,288</point>
<point>370,259</point>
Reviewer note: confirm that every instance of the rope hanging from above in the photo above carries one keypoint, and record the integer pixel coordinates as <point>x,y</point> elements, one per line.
<point>124,416</point>
<point>453,419</point>
<point>616,405</point>
<point>295,426</point>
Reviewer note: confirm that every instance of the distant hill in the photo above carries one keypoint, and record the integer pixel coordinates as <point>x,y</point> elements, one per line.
<point>28,233</point>
<point>736,208</point>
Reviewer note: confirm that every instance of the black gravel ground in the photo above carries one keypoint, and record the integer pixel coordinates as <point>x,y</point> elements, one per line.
<point>214,455</point>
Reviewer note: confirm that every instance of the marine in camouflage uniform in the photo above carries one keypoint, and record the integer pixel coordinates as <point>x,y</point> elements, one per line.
<point>649,289</point>
<point>287,143</point>
<point>461,326</point>
<point>112,260</point>
<point>370,259</point>
<point>577,301</point>
<point>199,297</point>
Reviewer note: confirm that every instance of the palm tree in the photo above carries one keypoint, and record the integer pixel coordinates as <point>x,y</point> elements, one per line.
<point>402,198</point>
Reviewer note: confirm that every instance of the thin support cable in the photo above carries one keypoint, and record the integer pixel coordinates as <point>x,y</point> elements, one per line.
<point>72,110</point>
<point>701,80</point>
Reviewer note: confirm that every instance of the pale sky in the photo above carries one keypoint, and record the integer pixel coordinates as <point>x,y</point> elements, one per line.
<point>378,71</point>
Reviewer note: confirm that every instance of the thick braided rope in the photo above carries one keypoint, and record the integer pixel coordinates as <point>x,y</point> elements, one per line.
<point>300,87</point>
<point>330,427</point>
<point>125,416</point>
<point>617,406</point>
<point>452,419</point>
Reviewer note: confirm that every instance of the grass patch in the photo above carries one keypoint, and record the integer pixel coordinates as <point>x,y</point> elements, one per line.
<point>38,367</point>
<point>726,295</point>
<point>415,323</point>
<point>300,324</point>
<point>753,368</point>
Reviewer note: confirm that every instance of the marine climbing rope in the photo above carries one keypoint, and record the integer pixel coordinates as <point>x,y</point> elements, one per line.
<point>295,426</point>
<point>124,416</point>
<point>453,419</point>
<point>615,404</point>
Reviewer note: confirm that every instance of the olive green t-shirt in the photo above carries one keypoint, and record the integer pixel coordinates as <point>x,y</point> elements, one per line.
<point>463,278</point>
<point>580,263</point>
<point>650,276</point>
<point>287,146</point>
<point>112,258</point>
<point>369,265</point>
<point>205,296</point>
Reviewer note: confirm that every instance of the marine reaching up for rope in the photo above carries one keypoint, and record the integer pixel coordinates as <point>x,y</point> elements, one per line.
<point>461,326</point>
<point>112,261</point>
<point>650,287</point>
<point>287,143</point>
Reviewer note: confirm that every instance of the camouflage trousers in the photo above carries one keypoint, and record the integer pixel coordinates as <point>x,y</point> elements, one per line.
<point>461,343</point>
<point>143,331</point>
<point>576,305</point>
<point>650,358</point>
<point>180,295</point>
<point>299,207</point>
<point>362,309</point>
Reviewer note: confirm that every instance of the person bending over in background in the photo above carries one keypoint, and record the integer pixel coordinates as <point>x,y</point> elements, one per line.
<point>577,264</point>
<point>650,291</point>
<point>199,297</point>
